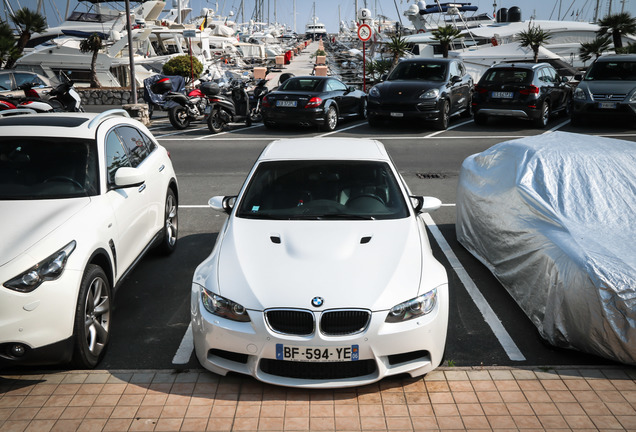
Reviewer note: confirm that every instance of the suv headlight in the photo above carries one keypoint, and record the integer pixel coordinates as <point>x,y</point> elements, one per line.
<point>579,94</point>
<point>217,305</point>
<point>632,98</point>
<point>48,269</point>
<point>374,92</point>
<point>430,94</point>
<point>413,308</point>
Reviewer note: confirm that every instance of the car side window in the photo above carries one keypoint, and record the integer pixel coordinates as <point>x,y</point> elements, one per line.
<point>454,70</point>
<point>134,144</point>
<point>23,77</point>
<point>116,156</point>
<point>552,73</point>
<point>333,85</point>
<point>5,82</point>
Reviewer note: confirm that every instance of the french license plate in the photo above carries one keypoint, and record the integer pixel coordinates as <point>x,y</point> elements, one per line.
<point>607,105</point>
<point>502,95</point>
<point>317,354</point>
<point>285,103</point>
<point>396,114</point>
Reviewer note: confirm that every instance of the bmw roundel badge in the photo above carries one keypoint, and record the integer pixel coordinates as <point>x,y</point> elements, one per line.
<point>317,301</point>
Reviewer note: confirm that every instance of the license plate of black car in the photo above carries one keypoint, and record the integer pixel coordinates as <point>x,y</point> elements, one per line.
<point>502,95</point>
<point>397,114</point>
<point>317,354</point>
<point>285,103</point>
<point>607,105</point>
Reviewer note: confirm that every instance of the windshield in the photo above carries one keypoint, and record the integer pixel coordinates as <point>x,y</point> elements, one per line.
<point>612,71</point>
<point>418,71</point>
<point>320,190</point>
<point>46,168</point>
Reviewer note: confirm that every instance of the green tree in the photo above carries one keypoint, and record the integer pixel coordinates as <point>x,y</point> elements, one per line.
<point>534,38</point>
<point>27,22</point>
<point>183,66</point>
<point>445,35</point>
<point>92,44</point>
<point>7,42</point>
<point>617,25</point>
<point>397,46</point>
<point>594,48</point>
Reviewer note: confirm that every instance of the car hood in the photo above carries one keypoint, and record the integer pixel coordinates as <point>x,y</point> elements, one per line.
<point>408,88</point>
<point>26,222</point>
<point>369,264</point>
<point>609,86</point>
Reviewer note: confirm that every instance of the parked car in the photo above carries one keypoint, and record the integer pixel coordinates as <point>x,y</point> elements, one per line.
<point>607,90</point>
<point>84,197</point>
<point>322,275</point>
<point>11,80</point>
<point>422,89</point>
<point>551,216</point>
<point>313,101</point>
<point>529,91</point>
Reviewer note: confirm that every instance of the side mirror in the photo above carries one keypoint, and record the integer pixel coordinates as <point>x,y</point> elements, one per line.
<point>384,77</point>
<point>128,177</point>
<point>423,204</point>
<point>222,203</point>
<point>455,79</point>
<point>578,77</point>
<point>351,89</point>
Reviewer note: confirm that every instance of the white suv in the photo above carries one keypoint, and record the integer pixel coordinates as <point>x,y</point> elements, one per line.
<point>84,196</point>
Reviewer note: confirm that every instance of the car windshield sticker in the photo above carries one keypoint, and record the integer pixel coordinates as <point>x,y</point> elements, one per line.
<point>255,209</point>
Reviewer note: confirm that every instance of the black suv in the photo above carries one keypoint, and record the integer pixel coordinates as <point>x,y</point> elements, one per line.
<point>422,89</point>
<point>531,91</point>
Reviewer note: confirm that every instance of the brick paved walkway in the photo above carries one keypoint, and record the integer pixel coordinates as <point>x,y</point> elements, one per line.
<point>510,399</point>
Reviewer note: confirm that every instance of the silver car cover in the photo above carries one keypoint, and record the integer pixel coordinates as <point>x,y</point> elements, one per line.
<point>554,219</point>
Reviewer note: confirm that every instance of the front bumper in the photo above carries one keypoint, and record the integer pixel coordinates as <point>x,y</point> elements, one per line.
<point>426,110</point>
<point>593,109</point>
<point>415,347</point>
<point>41,321</point>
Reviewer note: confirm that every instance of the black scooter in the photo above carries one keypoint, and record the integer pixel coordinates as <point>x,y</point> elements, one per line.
<point>256,98</point>
<point>231,107</point>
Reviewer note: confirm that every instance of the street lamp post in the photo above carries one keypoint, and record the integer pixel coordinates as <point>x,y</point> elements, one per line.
<point>133,82</point>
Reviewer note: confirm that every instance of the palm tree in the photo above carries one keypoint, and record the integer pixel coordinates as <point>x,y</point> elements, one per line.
<point>594,48</point>
<point>27,23</point>
<point>617,25</point>
<point>445,35</point>
<point>92,44</point>
<point>534,37</point>
<point>397,47</point>
<point>7,42</point>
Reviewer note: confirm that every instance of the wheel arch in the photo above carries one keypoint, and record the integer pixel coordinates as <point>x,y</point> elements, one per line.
<point>102,258</point>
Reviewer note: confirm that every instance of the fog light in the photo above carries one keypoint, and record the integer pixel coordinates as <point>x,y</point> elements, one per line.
<point>17,350</point>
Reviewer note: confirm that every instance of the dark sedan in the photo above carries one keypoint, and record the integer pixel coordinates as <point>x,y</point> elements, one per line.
<point>422,89</point>
<point>313,100</point>
<point>529,91</point>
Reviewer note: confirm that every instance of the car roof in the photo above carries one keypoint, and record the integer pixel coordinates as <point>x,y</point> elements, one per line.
<point>324,149</point>
<point>519,65</point>
<point>616,57</point>
<point>71,125</point>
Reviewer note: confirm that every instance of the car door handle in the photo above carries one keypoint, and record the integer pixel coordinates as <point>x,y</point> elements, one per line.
<point>141,188</point>
<point>161,168</point>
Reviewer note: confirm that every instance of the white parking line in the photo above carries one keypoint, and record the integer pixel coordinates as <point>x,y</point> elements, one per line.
<point>185,348</point>
<point>489,315</point>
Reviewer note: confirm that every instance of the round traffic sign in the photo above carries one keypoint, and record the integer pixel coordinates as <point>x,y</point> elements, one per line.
<point>364,32</point>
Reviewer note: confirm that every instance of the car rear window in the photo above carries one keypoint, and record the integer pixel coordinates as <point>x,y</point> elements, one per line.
<point>508,76</point>
<point>612,71</point>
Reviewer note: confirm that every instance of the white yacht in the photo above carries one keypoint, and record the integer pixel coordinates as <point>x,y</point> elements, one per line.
<point>314,29</point>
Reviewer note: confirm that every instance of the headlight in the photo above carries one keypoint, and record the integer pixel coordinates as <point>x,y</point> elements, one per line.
<point>413,308</point>
<point>579,94</point>
<point>223,307</point>
<point>632,98</point>
<point>374,92</point>
<point>430,94</point>
<point>48,269</point>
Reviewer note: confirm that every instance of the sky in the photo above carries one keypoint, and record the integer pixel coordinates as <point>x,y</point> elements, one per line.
<point>331,12</point>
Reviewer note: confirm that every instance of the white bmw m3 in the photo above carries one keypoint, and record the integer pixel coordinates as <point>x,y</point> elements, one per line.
<point>322,275</point>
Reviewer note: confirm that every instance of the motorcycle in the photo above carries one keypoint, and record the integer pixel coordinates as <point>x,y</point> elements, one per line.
<point>256,98</point>
<point>231,107</point>
<point>30,100</point>
<point>186,108</point>
<point>64,97</point>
